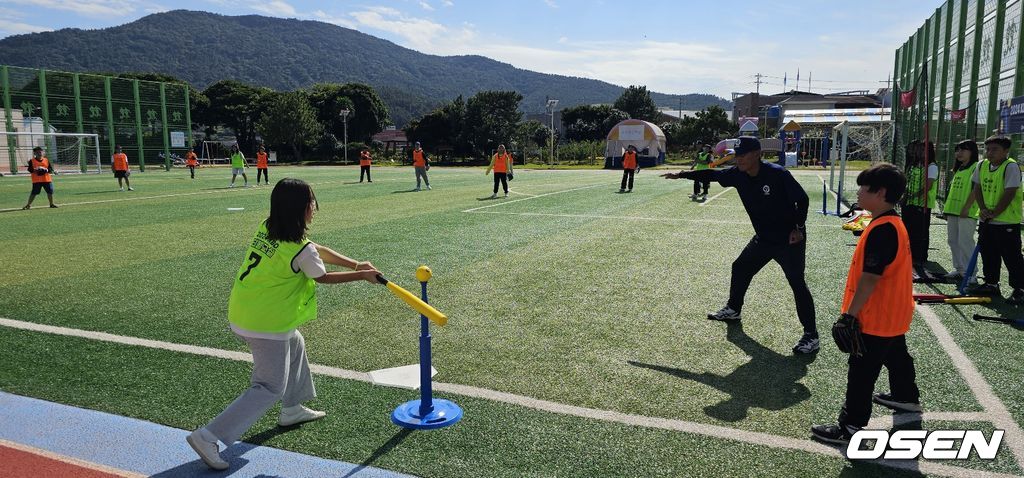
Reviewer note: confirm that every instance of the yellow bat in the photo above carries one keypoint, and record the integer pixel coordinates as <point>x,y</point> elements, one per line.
<point>955,300</point>
<point>424,308</point>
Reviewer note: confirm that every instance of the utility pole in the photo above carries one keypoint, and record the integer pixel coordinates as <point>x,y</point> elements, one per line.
<point>680,108</point>
<point>758,81</point>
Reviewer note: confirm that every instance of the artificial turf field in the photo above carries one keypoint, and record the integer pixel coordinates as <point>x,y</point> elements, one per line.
<point>577,343</point>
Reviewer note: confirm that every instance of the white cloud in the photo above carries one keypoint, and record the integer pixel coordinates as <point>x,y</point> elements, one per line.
<point>426,6</point>
<point>275,8</point>
<point>447,3</point>
<point>340,21</point>
<point>551,3</point>
<point>8,27</point>
<point>93,8</point>
<point>419,33</point>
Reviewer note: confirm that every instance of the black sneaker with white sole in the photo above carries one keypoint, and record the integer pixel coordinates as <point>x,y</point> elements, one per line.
<point>808,344</point>
<point>725,314</point>
<point>984,290</point>
<point>887,400</point>
<point>837,434</point>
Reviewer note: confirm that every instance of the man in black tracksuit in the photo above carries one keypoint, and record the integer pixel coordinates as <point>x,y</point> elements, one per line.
<point>777,206</point>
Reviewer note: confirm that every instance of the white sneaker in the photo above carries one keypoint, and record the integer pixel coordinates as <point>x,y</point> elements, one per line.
<point>417,188</point>
<point>725,314</point>
<point>231,185</point>
<point>122,189</point>
<point>298,414</point>
<point>208,451</point>
<point>506,194</point>
<point>131,189</point>
<point>693,196</point>
<point>428,187</point>
<point>494,196</point>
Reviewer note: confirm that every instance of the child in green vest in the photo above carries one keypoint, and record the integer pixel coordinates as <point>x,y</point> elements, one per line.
<point>274,293</point>
<point>702,162</point>
<point>997,190</point>
<point>238,165</point>
<point>919,200</point>
<point>961,210</point>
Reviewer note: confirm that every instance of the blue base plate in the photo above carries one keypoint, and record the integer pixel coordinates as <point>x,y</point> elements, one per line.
<point>445,413</point>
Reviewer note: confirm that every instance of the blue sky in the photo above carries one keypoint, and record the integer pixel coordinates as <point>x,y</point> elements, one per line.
<point>670,46</point>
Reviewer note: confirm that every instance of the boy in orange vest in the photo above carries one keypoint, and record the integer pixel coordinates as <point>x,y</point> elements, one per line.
<point>501,163</point>
<point>191,161</point>
<point>421,162</point>
<point>364,165</point>
<point>629,169</point>
<point>879,299</point>
<point>119,163</point>
<point>261,166</point>
<point>40,169</point>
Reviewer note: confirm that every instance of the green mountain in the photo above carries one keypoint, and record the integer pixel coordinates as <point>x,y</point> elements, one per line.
<point>286,54</point>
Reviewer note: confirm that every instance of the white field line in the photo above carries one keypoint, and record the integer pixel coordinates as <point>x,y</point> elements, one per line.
<point>993,406</point>
<point>716,195</point>
<point>69,460</point>
<point>636,218</point>
<point>725,433</point>
<point>883,422</point>
<point>834,196</point>
<point>534,197</point>
<point>524,194</point>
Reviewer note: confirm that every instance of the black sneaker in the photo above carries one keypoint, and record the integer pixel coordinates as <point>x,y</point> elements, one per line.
<point>808,344</point>
<point>1016,298</point>
<point>725,314</point>
<point>986,290</point>
<point>837,434</point>
<point>887,400</point>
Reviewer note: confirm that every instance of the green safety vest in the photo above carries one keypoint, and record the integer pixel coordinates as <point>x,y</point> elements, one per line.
<point>915,179</point>
<point>237,160</point>
<point>992,191</point>
<point>959,191</point>
<point>268,295</point>
<point>703,161</point>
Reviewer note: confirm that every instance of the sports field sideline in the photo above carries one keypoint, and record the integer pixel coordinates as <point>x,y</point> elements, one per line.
<point>577,343</point>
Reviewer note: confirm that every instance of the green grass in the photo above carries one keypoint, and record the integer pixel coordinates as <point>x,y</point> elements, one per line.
<point>587,298</point>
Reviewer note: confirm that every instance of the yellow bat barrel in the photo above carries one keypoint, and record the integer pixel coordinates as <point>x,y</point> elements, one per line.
<point>416,303</point>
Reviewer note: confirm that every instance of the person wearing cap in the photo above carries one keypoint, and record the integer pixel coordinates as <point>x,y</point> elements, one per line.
<point>777,206</point>
<point>41,170</point>
<point>421,162</point>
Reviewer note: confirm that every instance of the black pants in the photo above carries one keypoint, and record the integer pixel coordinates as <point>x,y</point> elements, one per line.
<point>262,171</point>
<point>792,259</point>
<point>192,171</point>
<point>890,352</point>
<point>627,174</point>
<point>1000,243</point>
<point>364,170</point>
<point>697,185</point>
<point>500,178</point>
<point>917,220</point>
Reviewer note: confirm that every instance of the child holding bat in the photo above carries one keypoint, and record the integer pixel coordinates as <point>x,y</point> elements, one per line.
<point>273,294</point>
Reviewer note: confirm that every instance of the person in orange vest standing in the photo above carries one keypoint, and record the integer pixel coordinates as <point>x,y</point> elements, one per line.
<point>421,162</point>
<point>364,165</point>
<point>629,169</point>
<point>119,163</point>
<point>191,161</point>
<point>501,163</point>
<point>261,166</point>
<point>878,301</point>
<point>40,169</point>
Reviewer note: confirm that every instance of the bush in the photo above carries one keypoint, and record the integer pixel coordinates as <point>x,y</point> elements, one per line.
<point>581,152</point>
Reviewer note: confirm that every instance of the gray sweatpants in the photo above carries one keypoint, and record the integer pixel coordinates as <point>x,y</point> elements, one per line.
<point>421,171</point>
<point>960,237</point>
<point>280,371</point>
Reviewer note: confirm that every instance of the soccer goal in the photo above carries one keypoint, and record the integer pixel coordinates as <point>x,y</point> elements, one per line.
<point>864,145</point>
<point>67,152</point>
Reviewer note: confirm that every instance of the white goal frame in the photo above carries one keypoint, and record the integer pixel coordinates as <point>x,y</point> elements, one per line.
<point>49,143</point>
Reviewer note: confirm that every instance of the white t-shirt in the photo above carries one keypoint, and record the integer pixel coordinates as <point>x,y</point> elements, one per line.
<point>309,263</point>
<point>933,171</point>
<point>1011,179</point>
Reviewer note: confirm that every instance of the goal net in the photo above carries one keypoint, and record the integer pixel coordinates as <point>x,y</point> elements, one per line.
<point>855,147</point>
<point>67,152</point>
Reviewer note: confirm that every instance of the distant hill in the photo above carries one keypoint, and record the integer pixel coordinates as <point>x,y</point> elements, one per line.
<point>286,54</point>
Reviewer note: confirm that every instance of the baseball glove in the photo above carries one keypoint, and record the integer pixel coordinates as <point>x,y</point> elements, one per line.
<point>846,332</point>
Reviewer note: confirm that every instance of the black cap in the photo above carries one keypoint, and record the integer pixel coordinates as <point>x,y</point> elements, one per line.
<point>746,144</point>
<point>37,148</point>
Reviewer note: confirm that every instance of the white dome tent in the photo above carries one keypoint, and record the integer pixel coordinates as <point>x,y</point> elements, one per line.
<point>647,138</point>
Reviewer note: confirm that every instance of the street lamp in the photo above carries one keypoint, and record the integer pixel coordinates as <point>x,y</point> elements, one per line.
<point>551,111</point>
<point>344,119</point>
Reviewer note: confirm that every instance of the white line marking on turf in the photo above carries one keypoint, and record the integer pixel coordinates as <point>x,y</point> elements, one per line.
<point>725,433</point>
<point>716,195</point>
<point>638,218</point>
<point>524,194</point>
<point>888,421</point>
<point>834,196</point>
<point>994,407</point>
<point>534,197</point>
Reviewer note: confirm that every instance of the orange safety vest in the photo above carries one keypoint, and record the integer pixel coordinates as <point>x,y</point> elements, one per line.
<point>120,161</point>
<point>501,163</point>
<point>261,160</point>
<point>190,159</point>
<point>35,164</point>
<point>364,158</point>
<point>629,160</point>
<point>417,158</point>
<point>890,307</point>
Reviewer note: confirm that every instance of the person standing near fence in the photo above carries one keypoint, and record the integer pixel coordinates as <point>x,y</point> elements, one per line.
<point>961,210</point>
<point>629,169</point>
<point>41,170</point>
<point>997,189</point>
<point>702,162</point>
<point>364,165</point>
<point>421,162</point>
<point>501,163</point>
<point>191,161</point>
<point>119,164</point>
<point>922,188</point>
<point>261,166</point>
